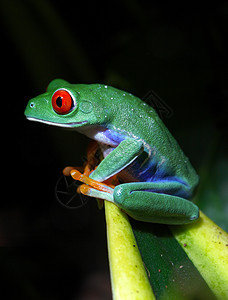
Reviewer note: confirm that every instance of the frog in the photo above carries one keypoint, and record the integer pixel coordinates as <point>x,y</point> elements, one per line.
<point>156,179</point>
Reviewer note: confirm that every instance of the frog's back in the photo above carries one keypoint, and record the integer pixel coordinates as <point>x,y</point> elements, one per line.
<point>166,158</point>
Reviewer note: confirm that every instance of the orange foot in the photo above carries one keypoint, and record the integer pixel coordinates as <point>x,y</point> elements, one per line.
<point>91,182</point>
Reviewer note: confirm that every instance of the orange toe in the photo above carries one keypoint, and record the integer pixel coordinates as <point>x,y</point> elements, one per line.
<point>91,182</point>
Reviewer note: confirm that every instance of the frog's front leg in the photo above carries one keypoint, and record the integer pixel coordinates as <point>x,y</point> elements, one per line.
<point>156,202</point>
<point>123,155</point>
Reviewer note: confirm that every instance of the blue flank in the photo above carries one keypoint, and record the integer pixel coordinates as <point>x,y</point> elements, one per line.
<point>148,169</point>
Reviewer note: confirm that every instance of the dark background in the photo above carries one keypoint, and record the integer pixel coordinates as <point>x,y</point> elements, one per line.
<point>178,50</point>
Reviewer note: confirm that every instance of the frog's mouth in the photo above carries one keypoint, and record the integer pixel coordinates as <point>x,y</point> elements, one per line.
<point>67,125</point>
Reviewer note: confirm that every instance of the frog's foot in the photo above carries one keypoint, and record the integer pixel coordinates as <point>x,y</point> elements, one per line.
<point>91,192</point>
<point>68,169</point>
<point>92,187</point>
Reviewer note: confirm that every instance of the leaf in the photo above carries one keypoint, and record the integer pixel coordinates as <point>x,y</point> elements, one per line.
<point>172,274</point>
<point>181,265</point>
<point>206,244</point>
<point>128,275</point>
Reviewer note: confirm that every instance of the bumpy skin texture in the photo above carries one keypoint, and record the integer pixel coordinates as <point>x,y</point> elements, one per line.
<point>157,177</point>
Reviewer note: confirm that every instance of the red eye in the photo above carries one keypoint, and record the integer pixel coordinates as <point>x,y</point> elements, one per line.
<point>62,102</point>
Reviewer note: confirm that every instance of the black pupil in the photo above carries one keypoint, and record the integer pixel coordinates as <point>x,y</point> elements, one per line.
<point>59,101</point>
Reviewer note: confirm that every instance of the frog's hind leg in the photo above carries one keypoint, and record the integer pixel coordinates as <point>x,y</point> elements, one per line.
<point>156,202</point>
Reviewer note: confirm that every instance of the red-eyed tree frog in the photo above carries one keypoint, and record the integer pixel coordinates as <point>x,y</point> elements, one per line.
<point>157,179</point>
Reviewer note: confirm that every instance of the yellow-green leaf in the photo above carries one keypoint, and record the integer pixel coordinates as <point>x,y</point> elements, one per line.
<point>128,275</point>
<point>206,244</point>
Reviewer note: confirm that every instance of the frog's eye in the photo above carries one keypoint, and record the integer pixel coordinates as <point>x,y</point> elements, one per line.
<point>62,102</point>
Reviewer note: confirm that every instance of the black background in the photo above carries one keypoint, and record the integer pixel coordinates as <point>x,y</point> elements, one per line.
<point>178,50</point>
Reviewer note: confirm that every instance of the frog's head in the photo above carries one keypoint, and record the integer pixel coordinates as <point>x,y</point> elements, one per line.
<point>63,105</point>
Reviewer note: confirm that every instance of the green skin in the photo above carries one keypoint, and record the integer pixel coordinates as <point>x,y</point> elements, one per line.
<point>157,177</point>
